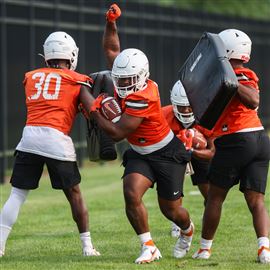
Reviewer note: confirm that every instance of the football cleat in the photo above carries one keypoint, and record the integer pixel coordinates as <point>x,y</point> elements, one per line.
<point>175,232</point>
<point>202,254</point>
<point>183,243</point>
<point>263,255</point>
<point>90,251</point>
<point>149,253</point>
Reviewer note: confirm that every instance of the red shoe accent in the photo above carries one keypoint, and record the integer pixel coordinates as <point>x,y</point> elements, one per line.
<point>204,249</point>
<point>149,243</point>
<point>261,249</point>
<point>189,233</point>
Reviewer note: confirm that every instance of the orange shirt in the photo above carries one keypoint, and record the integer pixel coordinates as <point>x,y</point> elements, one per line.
<point>237,116</point>
<point>146,104</point>
<point>52,97</point>
<point>176,125</point>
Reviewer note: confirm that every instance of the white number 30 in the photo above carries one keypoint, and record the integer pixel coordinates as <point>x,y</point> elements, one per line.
<point>42,85</point>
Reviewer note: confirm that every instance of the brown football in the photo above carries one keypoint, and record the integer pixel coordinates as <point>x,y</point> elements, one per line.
<point>198,141</point>
<point>110,109</point>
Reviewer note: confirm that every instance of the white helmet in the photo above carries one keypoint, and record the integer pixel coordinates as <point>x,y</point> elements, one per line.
<point>237,44</point>
<point>133,64</point>
<point>179,98</point>
<point>60,45</point>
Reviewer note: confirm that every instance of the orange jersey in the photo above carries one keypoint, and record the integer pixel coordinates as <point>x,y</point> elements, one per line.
<point>146,104</point>
<point>52,97</point>
<point>237,116</point>
<point>176,125</point>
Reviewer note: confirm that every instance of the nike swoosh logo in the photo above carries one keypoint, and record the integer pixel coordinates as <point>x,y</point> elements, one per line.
<point>175,193</point>
<point>106,105</point>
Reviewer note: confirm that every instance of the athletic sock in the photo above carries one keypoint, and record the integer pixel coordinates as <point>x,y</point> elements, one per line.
<point>263,242</point>
<point>206,244</point>
<point>4,233</point>
<point>144,237</point>
<point>86,239</point>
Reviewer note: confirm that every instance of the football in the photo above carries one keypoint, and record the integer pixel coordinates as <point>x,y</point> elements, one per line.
<point>198,141</point>
<point>110,109</point>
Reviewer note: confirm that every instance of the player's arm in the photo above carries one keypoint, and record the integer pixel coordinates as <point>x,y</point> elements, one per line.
<point>111,42</point>
<point>249,96</point>
<point>207,153</point>
<point>119,130</point>
<point>86,100</point>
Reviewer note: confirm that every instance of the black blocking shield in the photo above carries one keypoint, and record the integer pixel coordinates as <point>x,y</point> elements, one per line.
<point>100,145</point>
<point>209,79</point>
<point>102,83</point>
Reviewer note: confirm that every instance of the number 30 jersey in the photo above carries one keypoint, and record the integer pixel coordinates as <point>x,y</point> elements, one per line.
<point>52,97</point>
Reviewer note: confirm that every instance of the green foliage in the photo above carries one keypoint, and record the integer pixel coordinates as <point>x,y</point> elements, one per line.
<point>45,236</point>
<point>252,9</point>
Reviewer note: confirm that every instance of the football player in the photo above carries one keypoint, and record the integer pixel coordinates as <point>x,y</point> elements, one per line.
<point>242,152</point>
<point>52,97</point>
<point>180,117</point>
<point>156,155</point>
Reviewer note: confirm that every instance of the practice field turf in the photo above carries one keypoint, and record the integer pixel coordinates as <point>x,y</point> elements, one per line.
<point>45,236</point>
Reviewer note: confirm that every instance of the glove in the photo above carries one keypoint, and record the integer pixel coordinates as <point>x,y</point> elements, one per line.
<point>97,103</point>
<point>189,138</point>
<point>113,13</point>
<point>83,111</point>
<point>186,136</point>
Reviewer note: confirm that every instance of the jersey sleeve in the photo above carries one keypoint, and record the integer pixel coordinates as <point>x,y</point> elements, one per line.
<point>141,104</point>
<point>85,80</point>
<point>137,107</point>
<point>247,77</point>
<point>207,133</point>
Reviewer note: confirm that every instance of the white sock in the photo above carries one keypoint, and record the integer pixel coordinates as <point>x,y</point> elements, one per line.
<point>10,212</point>
<point>263,242</point>
<point>206,244</point>
<point>188,230</point>
<point>86,240</point>
<point>4,233</point>
<point>144,237</point>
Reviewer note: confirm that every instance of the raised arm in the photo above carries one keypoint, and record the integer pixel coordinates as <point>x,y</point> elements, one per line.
<point>111,42</point>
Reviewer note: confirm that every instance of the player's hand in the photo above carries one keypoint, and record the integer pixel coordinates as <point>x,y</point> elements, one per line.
<point>189,138</point>
<point>186,136</point>
<point>113,13</point>
<point>97,102</point>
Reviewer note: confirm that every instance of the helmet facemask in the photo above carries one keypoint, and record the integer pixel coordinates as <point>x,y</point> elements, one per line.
<point>136,83</point>
<point>186,119</point>
<point>179,99</point>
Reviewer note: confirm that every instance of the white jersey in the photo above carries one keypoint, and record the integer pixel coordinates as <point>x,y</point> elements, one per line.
<point>47,142</point>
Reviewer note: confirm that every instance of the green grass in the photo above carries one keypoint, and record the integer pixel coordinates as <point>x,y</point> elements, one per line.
<point>45,236</point>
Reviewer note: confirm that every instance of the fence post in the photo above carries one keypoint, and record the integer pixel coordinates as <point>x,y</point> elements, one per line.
<point>3,103</point>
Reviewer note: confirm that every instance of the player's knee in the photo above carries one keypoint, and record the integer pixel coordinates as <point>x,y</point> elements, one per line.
<point>255,205</point>
<point>19,194</point>
<point>131,197</point>
<point>73,194</point>
<point>170,211</point>
<point>254,200</point>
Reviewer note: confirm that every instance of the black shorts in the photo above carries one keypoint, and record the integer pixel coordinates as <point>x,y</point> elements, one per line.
<point>200,168</point>
<point>165,167</point>
<point>241,157</point>
<point>28,169</point>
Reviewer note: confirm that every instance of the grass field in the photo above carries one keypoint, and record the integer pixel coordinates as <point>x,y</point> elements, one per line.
<point>45,236</point>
